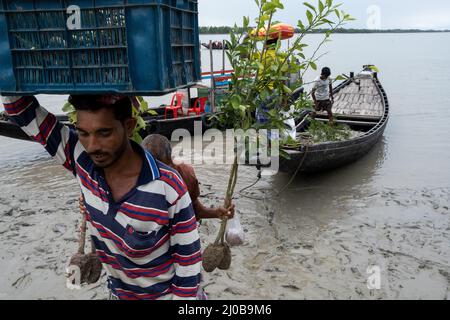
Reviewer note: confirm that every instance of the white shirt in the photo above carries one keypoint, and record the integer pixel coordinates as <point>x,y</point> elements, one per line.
<point>322,88</point>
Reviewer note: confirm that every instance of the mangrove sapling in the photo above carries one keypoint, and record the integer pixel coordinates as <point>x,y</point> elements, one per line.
<point>218,254</point>
<point>260,79</point>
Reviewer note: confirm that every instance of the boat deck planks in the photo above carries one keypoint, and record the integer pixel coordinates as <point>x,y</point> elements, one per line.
<point>361,97</point>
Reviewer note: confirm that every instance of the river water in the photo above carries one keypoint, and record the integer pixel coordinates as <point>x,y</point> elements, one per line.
<point>388,211</point>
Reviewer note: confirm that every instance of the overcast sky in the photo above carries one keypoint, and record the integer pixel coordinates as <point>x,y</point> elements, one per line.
<point>394,14</point>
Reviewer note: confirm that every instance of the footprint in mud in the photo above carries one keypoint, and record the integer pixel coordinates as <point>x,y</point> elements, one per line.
<point>23,224</point>
<point>4,201</point>
<point>22,281</point>
<point>60,228</point>
<point>8,212</point>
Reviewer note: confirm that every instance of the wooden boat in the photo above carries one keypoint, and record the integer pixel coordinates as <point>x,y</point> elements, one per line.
<point>159,125</point>
<point>362,104</point>
<point>156,124</point>
<point>215,46</point>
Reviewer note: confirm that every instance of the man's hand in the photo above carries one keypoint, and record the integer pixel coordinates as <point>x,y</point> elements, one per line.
<point>224,213</point>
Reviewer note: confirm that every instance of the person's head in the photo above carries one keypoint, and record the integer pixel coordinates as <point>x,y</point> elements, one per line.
<point>326,72</point>
<point>160,147</point>
<point>271,42</point>
<point>104,125</point>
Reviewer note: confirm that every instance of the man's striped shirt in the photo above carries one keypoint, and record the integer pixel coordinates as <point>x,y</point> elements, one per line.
<point>148,242</point>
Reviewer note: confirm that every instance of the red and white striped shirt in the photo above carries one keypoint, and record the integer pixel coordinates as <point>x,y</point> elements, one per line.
<point>148,242</point>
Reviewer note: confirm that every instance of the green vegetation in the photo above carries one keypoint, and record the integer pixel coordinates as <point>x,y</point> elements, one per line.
<point>320,132</point>
<point>260,79</point>
<point>227,30</point>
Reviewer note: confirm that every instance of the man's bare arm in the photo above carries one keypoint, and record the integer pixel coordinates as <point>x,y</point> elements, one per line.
<point>313,95</point>
<point>43,127</point>
<point>203,212</point>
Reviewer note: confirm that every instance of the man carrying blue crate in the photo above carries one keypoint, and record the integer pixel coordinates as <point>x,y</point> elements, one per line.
<point>143,225</point>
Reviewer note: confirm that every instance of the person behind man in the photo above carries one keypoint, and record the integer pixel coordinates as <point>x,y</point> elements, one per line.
<point>159,146</point>
<point>322,93</point>
<point>143,224</point>
<point>265,105</point>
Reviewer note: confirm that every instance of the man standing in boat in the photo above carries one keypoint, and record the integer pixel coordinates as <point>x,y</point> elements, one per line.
<point>322,94</point>
<point>143,224</point>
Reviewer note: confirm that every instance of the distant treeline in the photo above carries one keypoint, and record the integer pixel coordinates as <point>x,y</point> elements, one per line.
<point>226,30</point>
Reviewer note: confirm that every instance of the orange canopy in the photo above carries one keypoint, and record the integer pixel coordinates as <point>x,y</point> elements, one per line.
<point>281,31</point>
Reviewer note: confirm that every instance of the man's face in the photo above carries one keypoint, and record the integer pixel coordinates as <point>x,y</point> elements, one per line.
<point>104,137</point>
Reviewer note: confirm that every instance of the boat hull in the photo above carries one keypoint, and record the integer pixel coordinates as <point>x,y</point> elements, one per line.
<point>11,130</point>
<point>327,156</point>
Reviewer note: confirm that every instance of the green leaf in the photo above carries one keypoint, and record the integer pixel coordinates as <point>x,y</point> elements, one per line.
<point>141,123</point>
<point>242,110</point>
<point>269,7</point>
<point>235,101</point>
<point>265,18</point>
<point>68,107</point>
<point>310,6</point>
<point>337,13</point>
<point>313,65</point>
<point>286,89</point>
<point>301,25</point>
<point>321,6</point>
<point>374,69</point>
<point>137,138</point>
<point>340,78</point>
<point>348,17</point>
<point>284,154</point>
<point>310,17</point>
<point>152,112</point>
<point>246,22</point>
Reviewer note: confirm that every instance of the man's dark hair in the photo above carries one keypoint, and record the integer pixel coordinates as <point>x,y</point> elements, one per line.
<point>326,72</point>
<point>120,104</point>
<point>271,42</point>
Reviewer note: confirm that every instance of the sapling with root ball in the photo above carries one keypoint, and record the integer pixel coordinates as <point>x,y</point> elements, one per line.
<point>260,77</point>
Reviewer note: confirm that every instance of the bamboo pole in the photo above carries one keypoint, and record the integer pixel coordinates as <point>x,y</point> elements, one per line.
<point>82,239</point>
<point>213,83</point>
<point>223,57</point>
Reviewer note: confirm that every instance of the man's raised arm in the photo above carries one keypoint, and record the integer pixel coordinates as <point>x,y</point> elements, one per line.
<point>43,127</point>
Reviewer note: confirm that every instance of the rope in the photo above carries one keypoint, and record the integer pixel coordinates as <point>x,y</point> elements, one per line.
<point>253,184</point>
<point>277,193</point>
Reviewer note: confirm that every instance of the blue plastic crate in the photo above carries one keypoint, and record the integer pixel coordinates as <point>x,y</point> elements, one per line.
<point>129,46</point>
